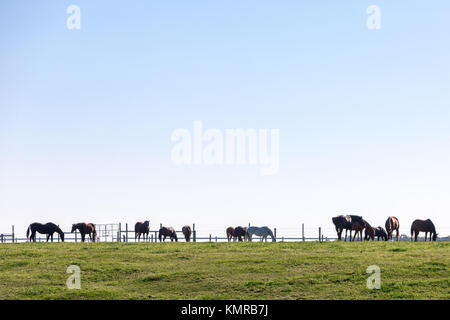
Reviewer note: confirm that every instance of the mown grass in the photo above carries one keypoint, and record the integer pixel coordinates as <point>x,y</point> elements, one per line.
<point>225,270</point>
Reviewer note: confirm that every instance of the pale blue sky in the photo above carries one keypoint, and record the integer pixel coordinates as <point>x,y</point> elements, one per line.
<point>86,115</point>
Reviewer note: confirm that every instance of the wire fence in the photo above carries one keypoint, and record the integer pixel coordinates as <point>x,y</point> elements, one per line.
<point>118,232</point>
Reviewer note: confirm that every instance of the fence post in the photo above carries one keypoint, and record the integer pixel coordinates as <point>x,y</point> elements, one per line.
<point>194,233</point>
<point>210,238</point>
<point>320,234</point>
<point>119,238</point>
<point>13,234</point>
<point>275,233</point>
<point>303,232</point>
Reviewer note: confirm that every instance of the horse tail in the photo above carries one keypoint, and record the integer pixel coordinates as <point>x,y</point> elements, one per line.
<point>28,232</point>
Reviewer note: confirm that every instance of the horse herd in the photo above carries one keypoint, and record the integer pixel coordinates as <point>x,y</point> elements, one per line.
<point>347,223</point>
<point>358,224</point>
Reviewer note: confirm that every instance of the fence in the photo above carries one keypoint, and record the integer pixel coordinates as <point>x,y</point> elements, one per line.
<point>118,232</point>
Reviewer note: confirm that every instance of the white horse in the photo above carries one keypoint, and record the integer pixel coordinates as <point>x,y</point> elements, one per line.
<point>263,232</point>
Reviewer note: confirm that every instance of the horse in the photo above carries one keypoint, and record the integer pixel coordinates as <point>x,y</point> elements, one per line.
<point>141,228</point>
<point>187,233</point>
<point>239,233</point>
<point>359,225</point>
<point>49,229</point>
<point>391,225</point>
<point>263,232</point>
<point>230,234</point>
<point>424,226</point>
<point>341,223</point>
<point>379,233</point>
<point>85,228</point>
<point>167,232</point>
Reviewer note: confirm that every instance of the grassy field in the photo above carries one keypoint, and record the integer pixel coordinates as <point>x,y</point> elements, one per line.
<point>225,270</point>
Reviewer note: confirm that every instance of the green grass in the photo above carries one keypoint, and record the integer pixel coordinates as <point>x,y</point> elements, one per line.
<point>225,270</point>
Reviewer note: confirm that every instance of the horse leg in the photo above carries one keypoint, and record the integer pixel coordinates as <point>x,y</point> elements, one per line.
<point>52,237</point>
<point>48,236</point>
<point>426,235</point>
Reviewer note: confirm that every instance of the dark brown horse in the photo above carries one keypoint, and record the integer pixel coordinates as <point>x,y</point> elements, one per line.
<point>379,233</point>
<point>85,229</point>
<point>240,232</point>
<point>141,228</point>
<point>359,226</point>
<point>167,232</point>
<point>423,226</point>
<point>392,224</point>
<point>342,223</point>
<point>49,229</point>
<point>187,233</point>
<point>230,234</point>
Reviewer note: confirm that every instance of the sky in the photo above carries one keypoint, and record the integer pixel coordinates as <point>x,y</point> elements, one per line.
<point>87,115</point>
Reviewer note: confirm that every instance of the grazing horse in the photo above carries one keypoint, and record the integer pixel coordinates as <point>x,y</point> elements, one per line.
<point>167,232</point>
<point>379,233</point>
<point>230,234</point>
<point>240,232</point>
<point>85,228</point>
<point>187,233</point>
<point>141,228</point>
<point>263,232</point>
<point>391,225</point>
<point>424,226</point>
<point>341,223</point>
<point>49,229</point>
<point>359,226</point>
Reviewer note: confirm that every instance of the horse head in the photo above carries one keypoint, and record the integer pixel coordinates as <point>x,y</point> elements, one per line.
<point>435,237</point>
<point>74,227</point>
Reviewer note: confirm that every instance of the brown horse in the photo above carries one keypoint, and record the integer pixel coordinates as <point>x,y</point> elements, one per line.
<point>167,232</point>
<point>85,228</point>
<point>359,226</point>
<point>341,223</point>
<point>187,233</point>
<point>48,229</point>
<point>230,234</point>
<point>240,232</point>
<point>141,228</point>
<point>391,225</point>
<point>424,226</point>
<point>379,233</point>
